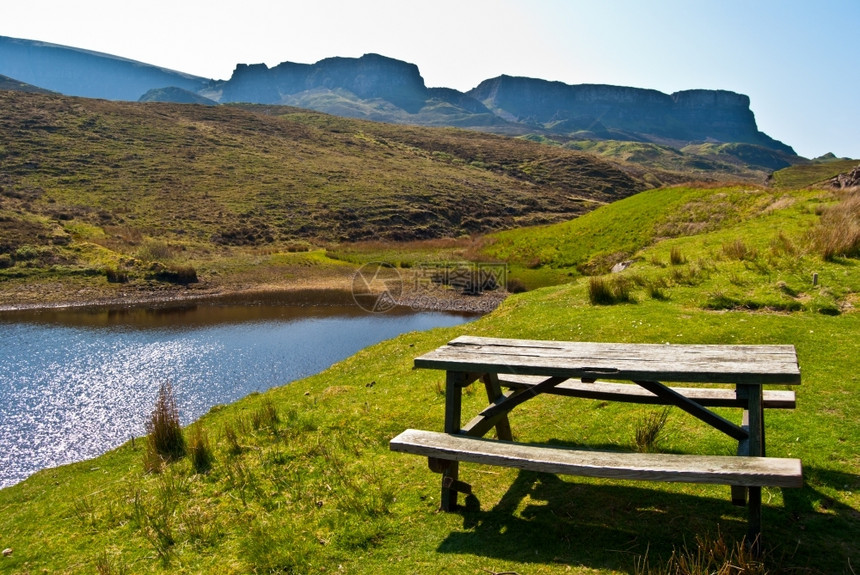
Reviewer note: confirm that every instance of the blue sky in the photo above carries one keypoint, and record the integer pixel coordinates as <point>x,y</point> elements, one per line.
<point>797,61</point>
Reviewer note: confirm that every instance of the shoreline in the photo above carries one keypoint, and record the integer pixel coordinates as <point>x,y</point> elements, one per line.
<point>299,293</point>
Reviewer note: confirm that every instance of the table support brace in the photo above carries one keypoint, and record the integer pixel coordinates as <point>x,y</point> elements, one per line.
<point>673,397</point>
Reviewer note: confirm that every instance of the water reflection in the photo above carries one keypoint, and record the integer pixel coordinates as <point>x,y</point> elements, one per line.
<point>76,383</point>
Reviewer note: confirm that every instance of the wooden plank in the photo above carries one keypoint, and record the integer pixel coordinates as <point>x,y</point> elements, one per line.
<point>521,396</point>
<point>495,394</point>
<point>753,364</point>
<point>731,470</point>
<point>632,393</point>
<point>479,425</point>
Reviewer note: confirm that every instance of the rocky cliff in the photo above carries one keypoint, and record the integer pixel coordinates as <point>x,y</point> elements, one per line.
<point>615,112</point>
<point>371,77</point>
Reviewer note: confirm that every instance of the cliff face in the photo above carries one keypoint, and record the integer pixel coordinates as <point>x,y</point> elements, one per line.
<point>370,77</point>
<point>625,113</point>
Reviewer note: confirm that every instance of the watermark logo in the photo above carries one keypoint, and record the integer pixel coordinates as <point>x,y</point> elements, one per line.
<point>377,287</point>
<point>441,286</point>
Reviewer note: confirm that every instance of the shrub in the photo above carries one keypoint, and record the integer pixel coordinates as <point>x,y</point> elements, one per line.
<point>298,246</point>
<point>265,417</point>
<point>6,261</point>
<point>648,430</point>
<point>838,231</point>
<point>656,290</point>
<point>738,250</point>
<point>602,291</point>
<point>165,441</point>
<point>782,244</point>
<point>26,253</point>
<point>516,286</point>
<point>180,275</point>
<point>710,556</point>
<point>232,439</point>
<point>200,451</point>
<point>116,276</point>
<point>154,250</point>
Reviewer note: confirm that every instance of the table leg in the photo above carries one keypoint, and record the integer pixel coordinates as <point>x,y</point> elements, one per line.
<point>494,392</point>
<point>454,383</point>
<point>756,449</point>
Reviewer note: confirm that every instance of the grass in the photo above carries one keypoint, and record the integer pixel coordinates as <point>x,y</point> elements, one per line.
<point>810,174</point>
<point>302,480</point>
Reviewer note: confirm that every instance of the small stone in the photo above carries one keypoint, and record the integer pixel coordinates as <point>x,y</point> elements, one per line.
<point>7,552</point>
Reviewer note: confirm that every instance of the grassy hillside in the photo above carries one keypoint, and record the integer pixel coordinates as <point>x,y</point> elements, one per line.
<point>811,173</point>
<point>96,193</point>
<point>303,482</point>
<point>704,162</point>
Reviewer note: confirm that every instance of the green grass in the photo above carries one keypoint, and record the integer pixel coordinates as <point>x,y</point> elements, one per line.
<point>812,173</point>
<point>302,480</point>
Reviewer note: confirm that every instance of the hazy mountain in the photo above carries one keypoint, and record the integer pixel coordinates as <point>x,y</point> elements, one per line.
<point>176,96</point>
<point>7,83</point>
<point>77,72</point>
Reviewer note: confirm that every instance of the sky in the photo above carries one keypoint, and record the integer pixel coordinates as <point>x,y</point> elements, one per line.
<point>796,60</point>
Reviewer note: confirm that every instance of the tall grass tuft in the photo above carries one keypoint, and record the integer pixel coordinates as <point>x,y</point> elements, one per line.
<point>738,250</point>
<point>200,451</point>
<point>838,231</point>
<point>604,291</point>
<point>265,417</point>
<point>165,442</point>
<point>648,430</point>
<point>109,565</point>
<point>708,556</point>
<point>676,258</point>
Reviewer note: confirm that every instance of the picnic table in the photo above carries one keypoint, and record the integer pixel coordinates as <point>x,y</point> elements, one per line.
<point>514,371</point>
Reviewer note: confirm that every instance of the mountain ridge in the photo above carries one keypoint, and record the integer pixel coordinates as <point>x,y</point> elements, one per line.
<point>380,88</point>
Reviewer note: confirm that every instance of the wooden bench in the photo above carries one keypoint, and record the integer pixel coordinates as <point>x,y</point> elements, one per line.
<point>718,469</point>
<point>527,368</point>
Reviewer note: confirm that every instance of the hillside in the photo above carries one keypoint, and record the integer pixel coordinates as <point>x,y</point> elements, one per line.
<point>91,189</point>
<point>303,480</point>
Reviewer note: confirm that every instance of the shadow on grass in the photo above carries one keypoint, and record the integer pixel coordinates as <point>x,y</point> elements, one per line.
<point>543,519</point>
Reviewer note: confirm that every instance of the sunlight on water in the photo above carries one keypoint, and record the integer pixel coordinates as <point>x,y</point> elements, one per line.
<point>69,393</point>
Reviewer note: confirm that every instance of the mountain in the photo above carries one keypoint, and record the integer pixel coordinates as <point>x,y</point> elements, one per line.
<point>712,129</point>
<point>7,83</point>
<point>621,113</point>
<point>177,96</point>
<point>77,72</point>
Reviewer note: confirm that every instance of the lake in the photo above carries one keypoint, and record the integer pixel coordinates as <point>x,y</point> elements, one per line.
<point>75,383</point>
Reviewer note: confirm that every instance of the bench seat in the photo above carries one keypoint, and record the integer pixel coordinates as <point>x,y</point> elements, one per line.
<point>632,393</point>
<point>726,470</point>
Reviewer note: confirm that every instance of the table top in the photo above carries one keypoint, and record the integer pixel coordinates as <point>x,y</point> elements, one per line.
<point>739,364</point>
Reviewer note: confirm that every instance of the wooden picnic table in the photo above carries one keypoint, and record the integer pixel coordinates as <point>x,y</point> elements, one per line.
<point>514,371</point>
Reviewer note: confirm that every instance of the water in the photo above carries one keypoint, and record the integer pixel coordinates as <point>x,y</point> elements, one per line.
<point>74,384</point>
